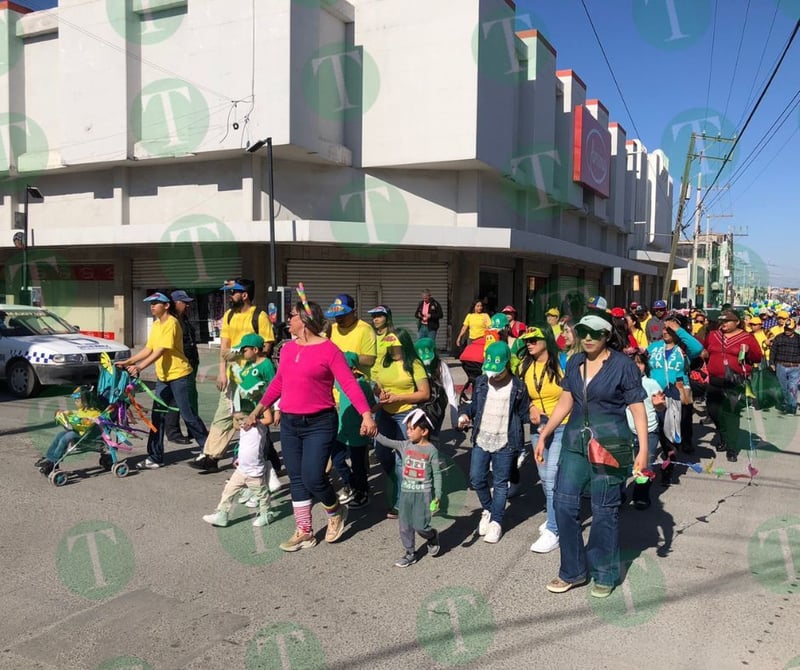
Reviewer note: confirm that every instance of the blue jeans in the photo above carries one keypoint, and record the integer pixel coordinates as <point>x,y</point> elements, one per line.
<point>424,331</point>
<point>177,391</point>
<point>494,502</point>
<point>306,444</point>
<point>547,473</point>
<point>576,475</point>
<point>392,426</point>
<point>58,447</point>
<point>789,379</point>
<point>355,474</point>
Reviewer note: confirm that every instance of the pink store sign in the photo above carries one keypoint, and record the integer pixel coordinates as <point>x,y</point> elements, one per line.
<point>591,157</point>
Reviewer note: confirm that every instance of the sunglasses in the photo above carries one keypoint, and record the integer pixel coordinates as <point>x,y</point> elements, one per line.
<point>584,331</point>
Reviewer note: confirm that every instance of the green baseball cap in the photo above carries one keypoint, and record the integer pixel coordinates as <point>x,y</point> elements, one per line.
<point>250,340</point>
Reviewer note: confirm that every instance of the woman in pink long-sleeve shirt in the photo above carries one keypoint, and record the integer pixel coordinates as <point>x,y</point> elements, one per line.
<point>308,367</point>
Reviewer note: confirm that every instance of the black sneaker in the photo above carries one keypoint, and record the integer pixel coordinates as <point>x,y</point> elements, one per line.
<point>408,559</point>
<point>360,500</point>
<point>39,463</point>
<point>205,463</point>
<point>433,544</point>
<point>47,467</point>
<point>731,456</point>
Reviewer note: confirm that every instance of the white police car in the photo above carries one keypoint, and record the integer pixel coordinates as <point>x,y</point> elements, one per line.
<point>38,348</point>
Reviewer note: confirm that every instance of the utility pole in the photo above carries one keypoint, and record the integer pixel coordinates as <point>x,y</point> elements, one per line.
<point>676,233</point>
<point>736,231</point>
<point>698,213</point>
<point>709,246</point>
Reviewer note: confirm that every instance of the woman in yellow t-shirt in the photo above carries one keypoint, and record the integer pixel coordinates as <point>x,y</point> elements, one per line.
<point>475,324</point>
<point>542,374</point>
<point>400,383</point>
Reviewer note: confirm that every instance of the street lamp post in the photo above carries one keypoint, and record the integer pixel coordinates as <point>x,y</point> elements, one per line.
<point>273,270</point>
<point>25,292</point>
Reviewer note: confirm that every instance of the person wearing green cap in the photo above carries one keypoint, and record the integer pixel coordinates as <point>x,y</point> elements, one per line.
<point>498,413</point>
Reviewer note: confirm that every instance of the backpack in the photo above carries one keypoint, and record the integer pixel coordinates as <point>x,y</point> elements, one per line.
<point>436,406</point>
<point>256,314</point>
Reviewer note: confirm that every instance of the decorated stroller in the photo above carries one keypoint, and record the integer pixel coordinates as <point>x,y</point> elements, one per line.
<point>107,431</point>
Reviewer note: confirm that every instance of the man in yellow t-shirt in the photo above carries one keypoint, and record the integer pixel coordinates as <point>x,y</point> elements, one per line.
<point>236,323</point>
<point>164,347</point>
<point>349,333</point>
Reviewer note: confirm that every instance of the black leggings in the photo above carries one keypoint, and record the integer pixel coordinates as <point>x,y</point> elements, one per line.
<point>724,403</point>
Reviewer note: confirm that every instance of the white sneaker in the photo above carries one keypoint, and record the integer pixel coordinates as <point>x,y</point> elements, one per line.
<point>494,533</point>
<point>274,483</point>
<point>483,526</point>
<point>252,503</point>
<point>542,526</point>
<point>148,464</point>
<point>547,542</point>
<point>346,495</point>
<point>244,496</point>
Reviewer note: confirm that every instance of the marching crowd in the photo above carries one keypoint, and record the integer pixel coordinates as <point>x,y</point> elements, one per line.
<point>603,396</point>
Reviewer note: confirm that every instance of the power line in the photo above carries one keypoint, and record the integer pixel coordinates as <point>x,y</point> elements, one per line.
<point>736,62</point>
<point>760,62</point>
<point>752,111</point>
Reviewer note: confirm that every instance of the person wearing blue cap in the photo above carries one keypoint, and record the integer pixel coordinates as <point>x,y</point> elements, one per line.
<point>242,318</point>
<point>350,333</point>
<point>654,328</point>
<point>180,302</point>
<point>164,348</point>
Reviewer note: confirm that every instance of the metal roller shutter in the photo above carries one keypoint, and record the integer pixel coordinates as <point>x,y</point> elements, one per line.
<point>397,285</point>
<point>184,271</point>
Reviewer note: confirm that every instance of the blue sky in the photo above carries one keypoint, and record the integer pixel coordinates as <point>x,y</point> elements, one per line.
<point>661,54</point>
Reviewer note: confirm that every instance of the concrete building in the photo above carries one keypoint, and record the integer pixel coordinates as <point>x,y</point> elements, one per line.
<point>417,145</point>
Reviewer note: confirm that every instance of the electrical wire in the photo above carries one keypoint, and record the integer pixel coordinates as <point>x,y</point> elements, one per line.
<point>752,112</point>
<point>736,62</point>
<point>760,62</point>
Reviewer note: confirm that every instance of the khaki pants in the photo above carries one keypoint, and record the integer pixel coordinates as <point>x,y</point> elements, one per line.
<point>222,429</point>
<point>237,482</point>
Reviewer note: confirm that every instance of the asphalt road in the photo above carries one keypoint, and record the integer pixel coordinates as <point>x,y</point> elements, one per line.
<point>123,573</point>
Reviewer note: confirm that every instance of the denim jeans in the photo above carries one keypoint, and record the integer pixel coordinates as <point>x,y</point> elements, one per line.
<point>494,502</point>
<point>789,379</point>
<point>175,391</point>
<point>58,447</point>
<point>424,331</point>
<point>353,475</point>
<point>576,475</point>
<point>548,470</point>
<point>306,443</point>
<point>392,426</point>
<point>172,422</point>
